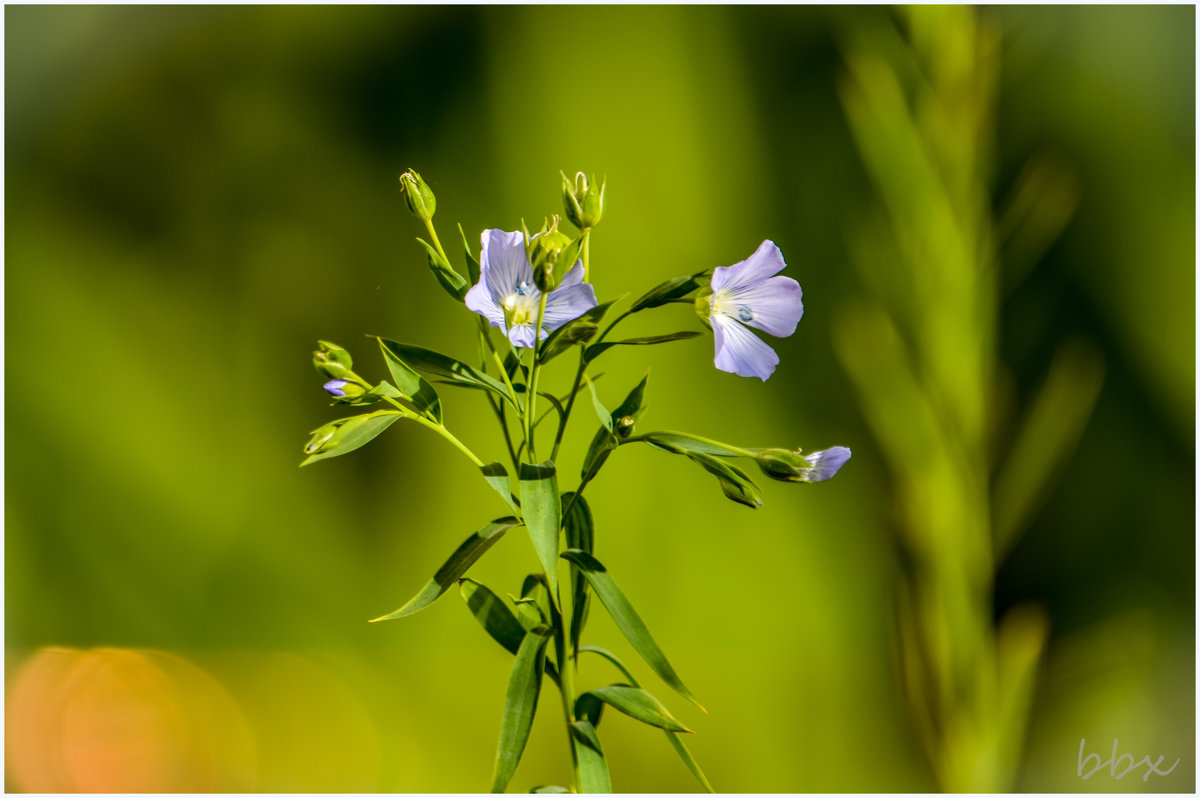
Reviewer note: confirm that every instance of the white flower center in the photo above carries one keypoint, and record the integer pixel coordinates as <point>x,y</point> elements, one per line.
<point>521,306</point>
<point>724,302</point>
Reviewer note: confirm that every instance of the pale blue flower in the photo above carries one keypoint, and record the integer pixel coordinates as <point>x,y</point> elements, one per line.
<point>506,283</point>
<point>749,293</point>
<point>336,387</point>
<point>825,463</point>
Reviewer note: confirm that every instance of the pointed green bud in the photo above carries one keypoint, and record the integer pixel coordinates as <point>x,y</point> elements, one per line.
<point>550,257</point>
<point>323,438</point>
<point>583,200</point>
<point>418,195</point>
<point>332,361</point>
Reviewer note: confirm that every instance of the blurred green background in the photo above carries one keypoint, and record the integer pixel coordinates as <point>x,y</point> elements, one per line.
<point>195,195</point>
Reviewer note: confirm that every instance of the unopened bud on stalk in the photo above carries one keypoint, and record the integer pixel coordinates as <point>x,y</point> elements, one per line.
<point>548,255</point>
<point>344,389</point>
<point>332,361</point>
<point>418,195</point>
<point>583,200</point>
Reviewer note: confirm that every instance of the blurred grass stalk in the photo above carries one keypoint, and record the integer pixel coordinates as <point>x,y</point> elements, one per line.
<point>921,349</point>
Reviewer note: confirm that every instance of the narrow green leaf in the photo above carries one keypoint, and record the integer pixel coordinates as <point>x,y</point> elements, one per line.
<point>689,760</point>
<point>582,706</point>
<point>520,705</point>
<point>463,558</point>
<point>453,370</point>
<point>639,705</point>
<point>543,515</point>
<point>549,790</point>
<point>497,619</point>
<point>412,385</point>
<point>685,443</point>
<point>451,280</point>
<point>493,614</point>
<point>347,434</point>
<point>619,424</point>
<point>602,412</point>
<point>472,261</point>
<point>497,476</point>
<point>667,291</point>
<point>593,769</point>
<point>734,482</point>
<point>596,350</point>
<point>579,533</point>
<point>627,619</point>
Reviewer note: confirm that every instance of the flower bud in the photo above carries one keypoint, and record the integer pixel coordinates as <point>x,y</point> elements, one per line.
<point>418,195</point>
<point>322,438</point>
<point>788,466</point>
<point>332,361</point>
<point>781,464</point>
<point>583,200</point>
<point>344,390</point>
<point>549,253</point>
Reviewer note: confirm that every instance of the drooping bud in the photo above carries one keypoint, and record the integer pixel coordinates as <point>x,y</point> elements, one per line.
<point>583,200</point>
<point>550,255</point>
<point>418,195</point>
<point>332,361</point>
<point>788,466</point>
<point>782,464</point>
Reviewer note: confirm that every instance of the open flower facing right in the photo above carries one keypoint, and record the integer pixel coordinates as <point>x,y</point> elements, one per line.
<point>748,292</point>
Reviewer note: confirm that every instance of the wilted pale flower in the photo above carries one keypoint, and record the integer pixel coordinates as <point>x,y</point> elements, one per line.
<point>748,293</point>
<point>825,463</point>
<point>507,296</point>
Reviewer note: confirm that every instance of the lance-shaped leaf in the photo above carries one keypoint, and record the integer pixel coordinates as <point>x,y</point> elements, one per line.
<point>734,482</point>
<point>413,387</point>
<point>472,261</point>
<point>667,291</point>
<point>497,619</point>
<point>497,476</point>
<point>463,558</point>
<point>493,614</point>
<point>520,705</point>
<point>627,619</point>
<point>593,769</point>
<point>347,434</point>
<point>579,533</point>
<point>619,425</point>
<point>451,280</point>
<point>595,350</point>
<point>543,515</point>
<point>639,705</point>
<point>585,708</point>
<point>455,371</point>
<point>581,329</point>
<point>686,443</point>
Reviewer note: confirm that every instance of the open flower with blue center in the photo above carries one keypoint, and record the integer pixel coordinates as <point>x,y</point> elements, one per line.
<point>750,293</point>
<point>507,297</point>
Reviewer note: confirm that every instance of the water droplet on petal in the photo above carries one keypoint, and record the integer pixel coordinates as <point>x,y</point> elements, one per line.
<point>744,313</point>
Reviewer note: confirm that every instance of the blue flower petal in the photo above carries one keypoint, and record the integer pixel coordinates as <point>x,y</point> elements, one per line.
<point>334,387</point>
<point>740,351</point>
<point>826,462</point>
<point>504,265</point>
<point>774,305</point>
<point>566,303</point>
<point>766,261</point>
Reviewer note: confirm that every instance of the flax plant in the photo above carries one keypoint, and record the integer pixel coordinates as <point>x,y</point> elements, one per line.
<point>533,288</point>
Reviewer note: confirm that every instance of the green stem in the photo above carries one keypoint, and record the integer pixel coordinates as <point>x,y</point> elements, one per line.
<point>566,672</point>
<point>587,239</point>
<point>531,392</point>
<point>439,429</point>
<point>562,424</point>
<point>436,244</point>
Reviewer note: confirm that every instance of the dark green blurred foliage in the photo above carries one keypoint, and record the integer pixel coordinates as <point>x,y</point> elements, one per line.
<point>195,196</point>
